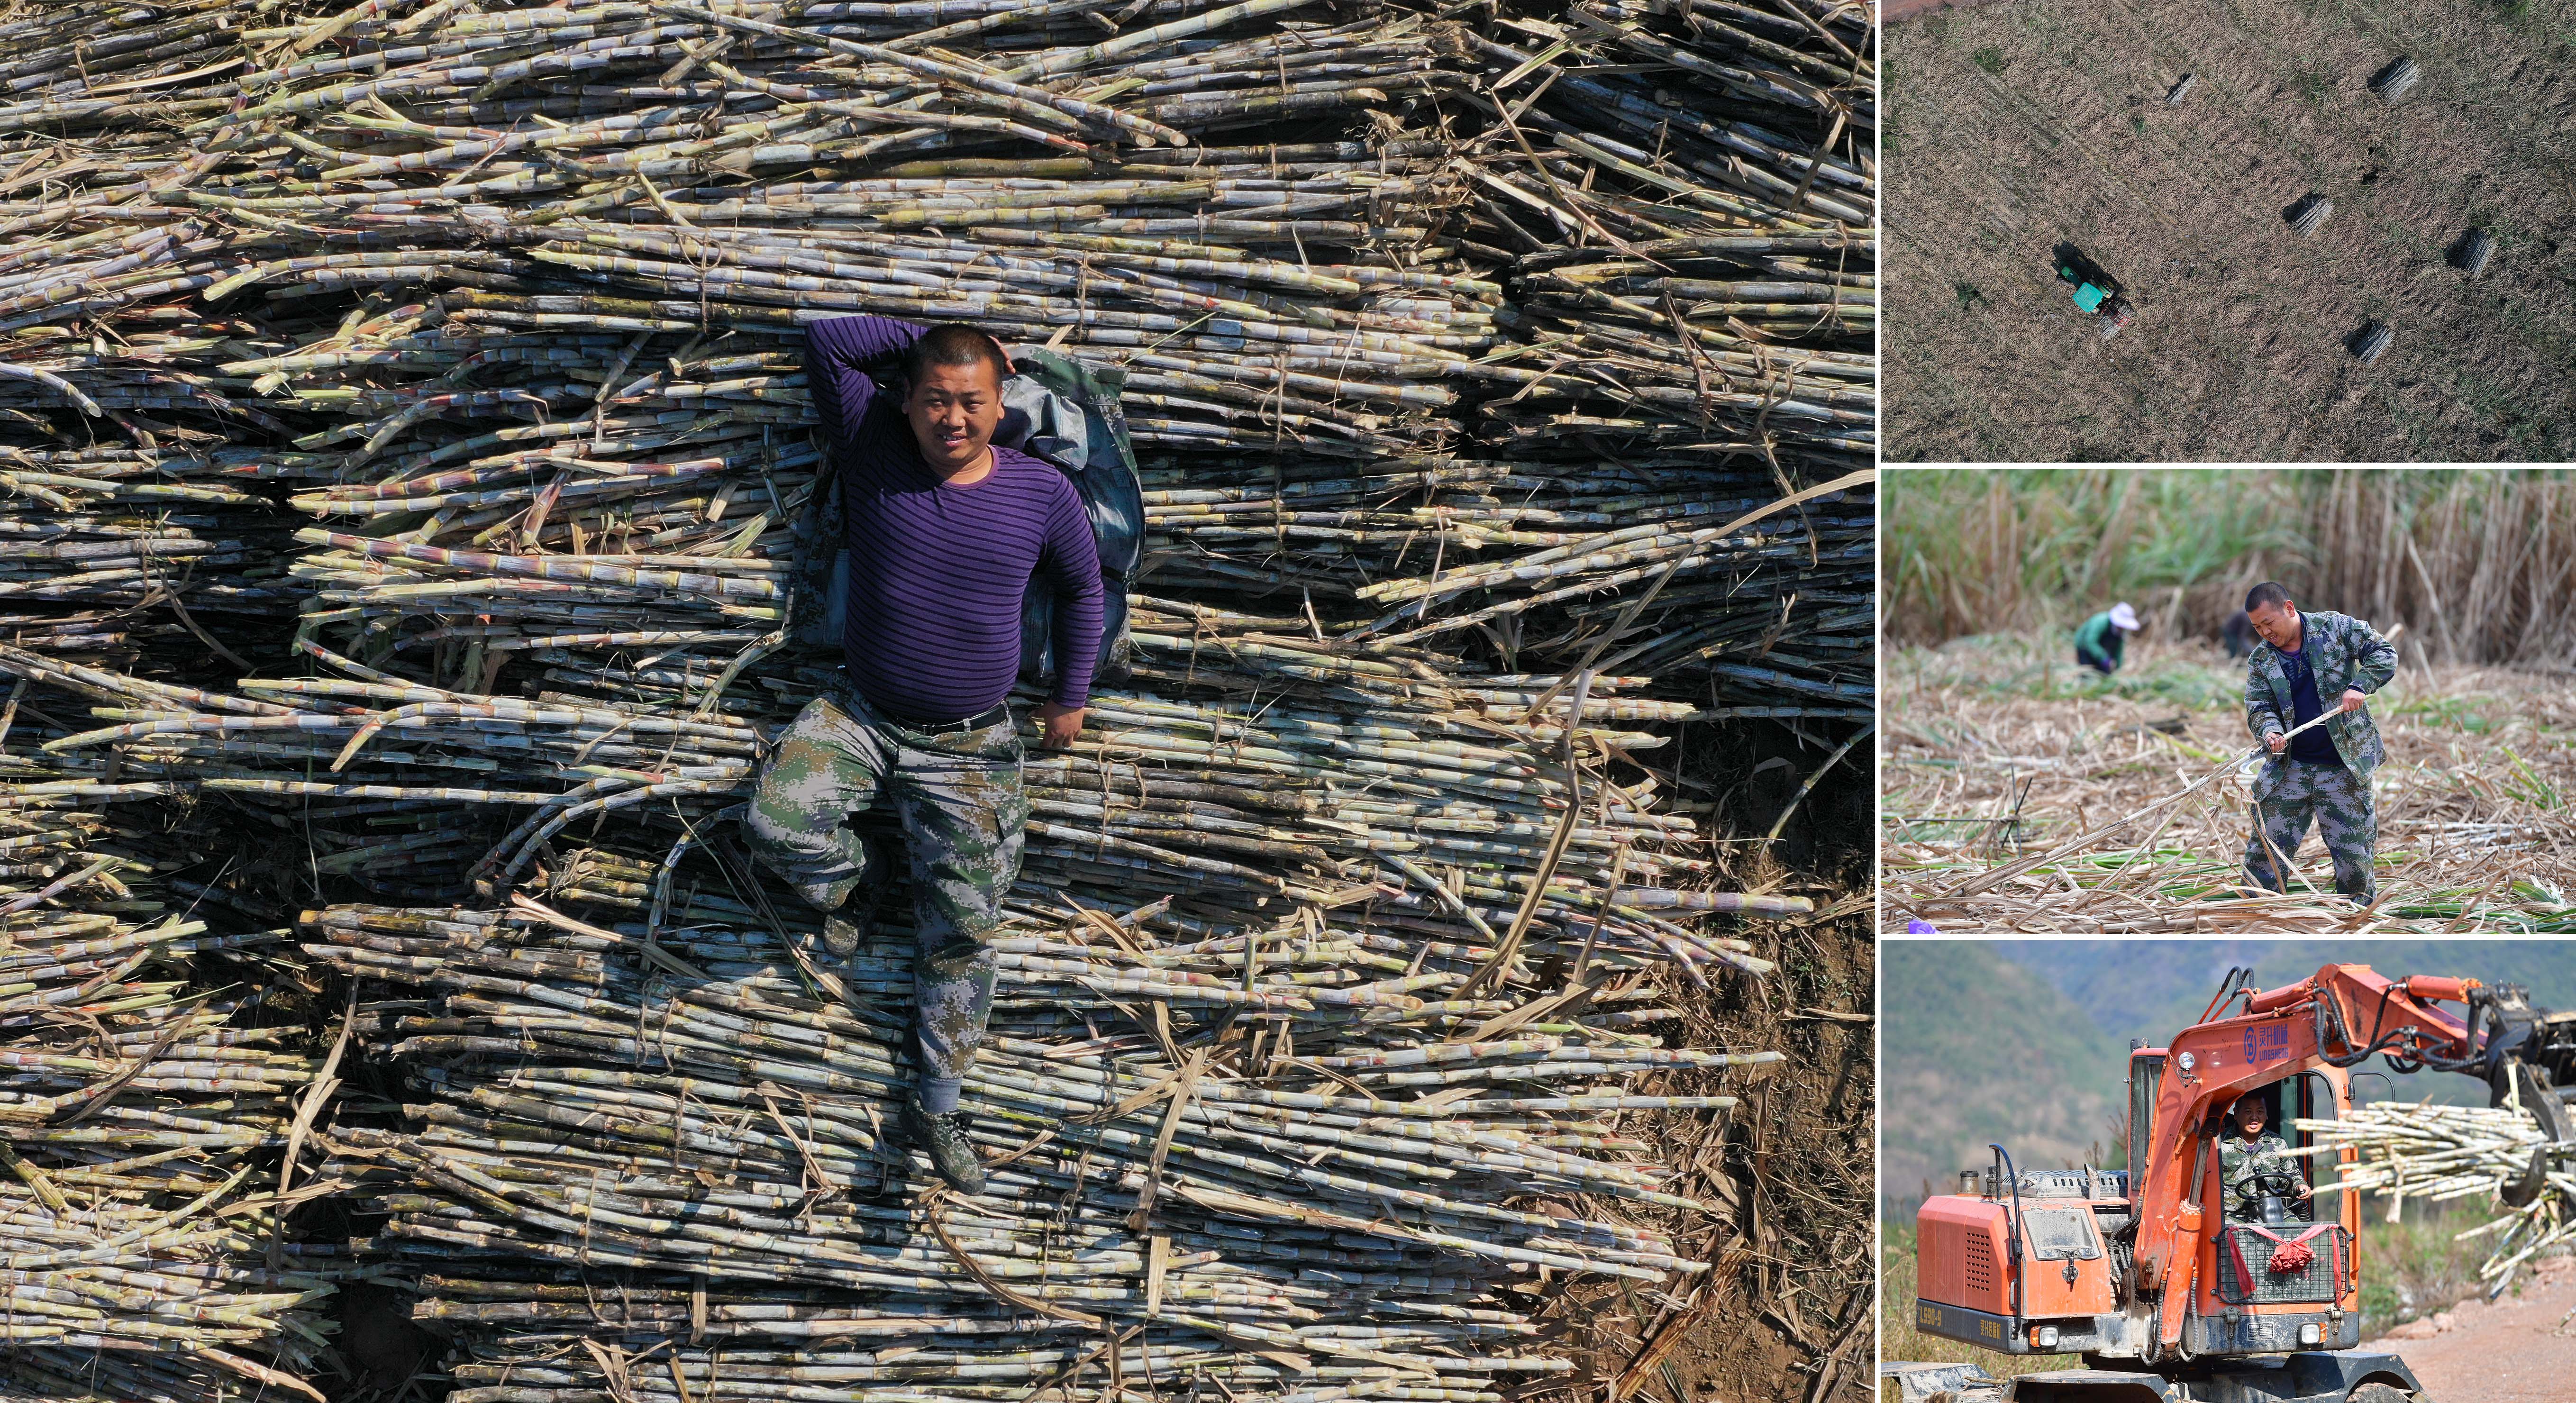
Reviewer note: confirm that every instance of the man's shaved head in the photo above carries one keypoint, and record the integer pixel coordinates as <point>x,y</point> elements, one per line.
<point>952,394</point>
<point>2274,617</point>
<point>953,344</point>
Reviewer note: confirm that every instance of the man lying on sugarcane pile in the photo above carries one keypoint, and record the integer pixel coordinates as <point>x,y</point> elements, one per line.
<point>2324,774</point>
<point>941,530</point>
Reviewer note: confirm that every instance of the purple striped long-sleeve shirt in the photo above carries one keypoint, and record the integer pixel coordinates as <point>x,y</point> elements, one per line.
<point>938,573</point>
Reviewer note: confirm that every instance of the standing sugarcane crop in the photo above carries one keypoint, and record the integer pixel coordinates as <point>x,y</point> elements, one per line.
<point>2323,774</point>
<point>945,529</point>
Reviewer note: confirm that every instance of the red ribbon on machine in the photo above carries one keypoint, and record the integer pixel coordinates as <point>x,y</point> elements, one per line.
<point>2289,1254</point>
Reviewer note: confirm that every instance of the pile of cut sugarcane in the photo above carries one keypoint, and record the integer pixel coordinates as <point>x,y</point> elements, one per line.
<point>97,539</point>
<point>1505,408</point>
<point>143,1121</point>
<point>2441,1154</point>
<point>1690,206</point>
<point>1229,1159</point>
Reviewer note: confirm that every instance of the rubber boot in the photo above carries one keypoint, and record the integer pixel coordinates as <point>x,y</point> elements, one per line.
<point>943,1138</point>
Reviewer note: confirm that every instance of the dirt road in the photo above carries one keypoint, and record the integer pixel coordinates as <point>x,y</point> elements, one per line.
<point>2522,1349</point>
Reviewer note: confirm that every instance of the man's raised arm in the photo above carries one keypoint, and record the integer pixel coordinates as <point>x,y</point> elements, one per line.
<point>838,354</point>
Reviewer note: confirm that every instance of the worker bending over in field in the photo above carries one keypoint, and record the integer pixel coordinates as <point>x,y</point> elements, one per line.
<point>2325,773</point>
<point>2250,1151</point>
<point>945,531</point>
<point>2099,642</point>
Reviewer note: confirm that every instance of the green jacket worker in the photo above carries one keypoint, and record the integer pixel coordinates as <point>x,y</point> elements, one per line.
<point>2250,1152</point>
<point>2098,643</point>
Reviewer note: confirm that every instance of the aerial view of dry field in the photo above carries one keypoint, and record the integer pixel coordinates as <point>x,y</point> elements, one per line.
<point>2318,251</point>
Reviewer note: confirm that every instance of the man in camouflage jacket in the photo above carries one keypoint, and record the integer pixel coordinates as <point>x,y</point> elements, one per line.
<point>2310,665</point>
<point>2250,1151</point>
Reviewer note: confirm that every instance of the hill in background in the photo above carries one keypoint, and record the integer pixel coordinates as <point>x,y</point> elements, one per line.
<point>2149,989</point>
<point>1980,1047</point>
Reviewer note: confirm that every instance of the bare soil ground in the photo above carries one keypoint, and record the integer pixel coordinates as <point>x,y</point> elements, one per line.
<point>1785,1313</point>
<point>2521,1349</point>
<point>1895,10</point>
<point>2012,127</point>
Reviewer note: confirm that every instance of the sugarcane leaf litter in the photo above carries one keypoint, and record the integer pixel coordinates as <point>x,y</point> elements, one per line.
<point>403,421</point>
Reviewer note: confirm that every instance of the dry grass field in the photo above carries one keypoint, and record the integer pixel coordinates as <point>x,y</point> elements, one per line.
<point>2014,127</point>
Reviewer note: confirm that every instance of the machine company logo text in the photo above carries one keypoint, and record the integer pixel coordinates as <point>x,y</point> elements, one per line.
<point>2270,1043</point>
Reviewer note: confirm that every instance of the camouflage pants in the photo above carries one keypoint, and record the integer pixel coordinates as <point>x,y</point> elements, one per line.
<point>2287,795</point>
<point>964,816</point>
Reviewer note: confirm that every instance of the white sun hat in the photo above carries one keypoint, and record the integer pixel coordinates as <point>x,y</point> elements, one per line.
<point>2124,618</point>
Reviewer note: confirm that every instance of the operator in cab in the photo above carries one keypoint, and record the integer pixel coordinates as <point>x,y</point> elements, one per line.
<point>2248,1150</point>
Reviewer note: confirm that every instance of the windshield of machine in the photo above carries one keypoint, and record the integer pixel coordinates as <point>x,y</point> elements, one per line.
<point>2061,1234</point>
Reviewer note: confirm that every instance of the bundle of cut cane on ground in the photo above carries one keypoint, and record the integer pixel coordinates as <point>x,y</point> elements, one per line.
<point>1751,602</point>
<point>143,1118</point>
<point>1282,1180</point>
<point>2443,1154</point>
<point>1360,782</point>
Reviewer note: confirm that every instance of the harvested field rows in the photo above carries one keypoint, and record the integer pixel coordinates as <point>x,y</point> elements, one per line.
<point>1997,754</point>
<point>2015,127</point>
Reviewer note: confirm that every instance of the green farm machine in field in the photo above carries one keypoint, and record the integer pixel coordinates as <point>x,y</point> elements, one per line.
<point>2096,292</point>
